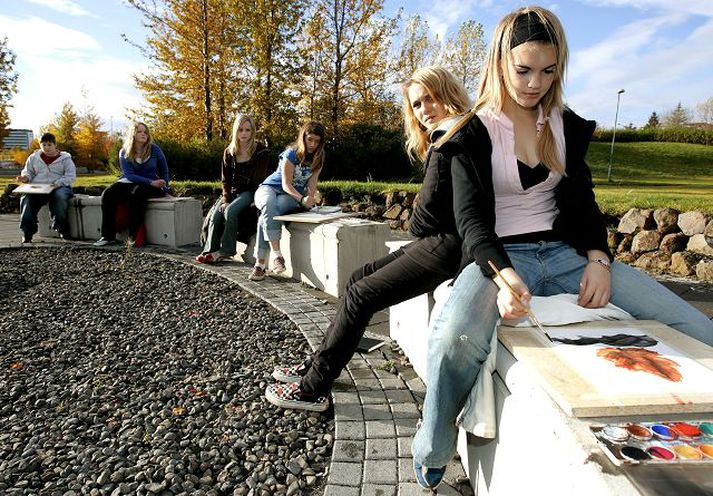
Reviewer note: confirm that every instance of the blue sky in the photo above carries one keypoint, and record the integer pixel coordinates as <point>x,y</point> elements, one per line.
<point>659,51</point>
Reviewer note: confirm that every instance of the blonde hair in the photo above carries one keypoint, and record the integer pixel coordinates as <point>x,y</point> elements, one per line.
<point>130,140</point>
<point>494,80</point>
<point>311,127</point>
<point>445,89</point>
<point>234,146</point>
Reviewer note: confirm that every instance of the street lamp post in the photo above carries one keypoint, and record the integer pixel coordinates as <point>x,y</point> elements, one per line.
<point>613,135</point>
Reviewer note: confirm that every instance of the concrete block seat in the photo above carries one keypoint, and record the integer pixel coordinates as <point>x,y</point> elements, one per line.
<point>325,255</point>
<point>170,221</point>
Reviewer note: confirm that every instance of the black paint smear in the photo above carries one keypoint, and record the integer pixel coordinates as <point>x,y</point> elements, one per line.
<point>642,341</point>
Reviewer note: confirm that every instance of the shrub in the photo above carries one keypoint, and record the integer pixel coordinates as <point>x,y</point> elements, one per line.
<point>693,135</point>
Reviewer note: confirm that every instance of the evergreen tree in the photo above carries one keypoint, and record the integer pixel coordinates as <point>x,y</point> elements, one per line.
<point>679,116</point>
<point>653,121</point>
<point>8,85</point>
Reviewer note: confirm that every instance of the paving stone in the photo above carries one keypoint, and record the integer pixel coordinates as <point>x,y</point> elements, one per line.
<point>399,396</point>
<point>334,490</point>
<point>345,474</point>
<point>376,396</point>
<point>346,397</point>
<point>406,470</point>
<point>404,446</point>
<point>363,373</point>
<point>376,490</point>
<point>380,472</point>
<point>405,427</point>
<point>409,489</point>
<point>357,364</point>
<point>377,412</point>
<point>350,430</point>
<point>349,411</point>
<point>380,449</point>
<point>379,429</point>
<point>394,383</point>
<point>367,384</point>
<point>347,450</point>
<point>405,410</point>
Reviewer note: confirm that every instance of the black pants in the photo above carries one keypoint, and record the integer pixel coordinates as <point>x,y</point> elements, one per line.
<point>136,196</point>
<point>416,269</point>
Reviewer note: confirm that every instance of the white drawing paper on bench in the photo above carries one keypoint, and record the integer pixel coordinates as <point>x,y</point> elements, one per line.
<point>628,361</point>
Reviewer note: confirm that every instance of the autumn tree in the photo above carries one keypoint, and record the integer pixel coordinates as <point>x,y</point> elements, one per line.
<point>677,117</point>
<point>8,85</point>
<point>192,50</point>
<point>653,121</point>
<point>705,111</point>
<point>271,63</point>
<point>418,48</point>
<point>464,54</point>
<point>64,126</point>
<point>341,35</point>
<point>91,142</point>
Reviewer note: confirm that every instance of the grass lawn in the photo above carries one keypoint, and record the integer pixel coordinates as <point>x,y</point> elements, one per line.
<point>650,175</point>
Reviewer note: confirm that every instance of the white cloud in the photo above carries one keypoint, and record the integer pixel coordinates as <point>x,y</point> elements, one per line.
<point>65,6</point>
<point>56,63</point>
<point>445,15</point>
<point>694,7</point>
<point>656,72</point>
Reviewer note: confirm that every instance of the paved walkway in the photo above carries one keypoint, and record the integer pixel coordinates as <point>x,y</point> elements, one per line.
<point>377,400</point>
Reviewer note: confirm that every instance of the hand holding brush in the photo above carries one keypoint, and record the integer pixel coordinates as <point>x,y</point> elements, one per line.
<point>515,295</point>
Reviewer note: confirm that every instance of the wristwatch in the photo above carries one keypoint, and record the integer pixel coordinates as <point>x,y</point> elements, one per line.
<point>604,262</point>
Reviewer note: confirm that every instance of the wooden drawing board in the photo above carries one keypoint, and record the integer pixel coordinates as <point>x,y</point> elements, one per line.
<point>34,189</point>
<point>313,217</point>
<point>582,392</point>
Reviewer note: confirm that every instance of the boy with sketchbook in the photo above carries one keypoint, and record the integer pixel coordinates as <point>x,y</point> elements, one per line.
<point>47,166</point>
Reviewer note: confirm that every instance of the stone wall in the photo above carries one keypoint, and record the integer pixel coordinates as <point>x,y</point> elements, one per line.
<point>665,241</point>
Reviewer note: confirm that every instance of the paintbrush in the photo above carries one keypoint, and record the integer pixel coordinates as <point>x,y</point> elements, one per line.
<point>530,314</point>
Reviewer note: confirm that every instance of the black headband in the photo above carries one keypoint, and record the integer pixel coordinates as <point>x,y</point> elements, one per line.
<point>529,27</point>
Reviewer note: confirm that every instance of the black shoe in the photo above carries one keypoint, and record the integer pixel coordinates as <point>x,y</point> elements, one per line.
<point>27,238</point>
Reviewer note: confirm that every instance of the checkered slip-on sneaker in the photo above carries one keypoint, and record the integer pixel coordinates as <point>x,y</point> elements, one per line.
<point>294,373</point>
<point>290,396</point>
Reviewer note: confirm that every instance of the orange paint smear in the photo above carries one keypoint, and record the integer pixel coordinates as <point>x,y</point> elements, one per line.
<point>642,360</point>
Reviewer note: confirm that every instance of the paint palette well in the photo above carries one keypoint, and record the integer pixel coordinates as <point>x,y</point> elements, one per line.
<point>656,442</point>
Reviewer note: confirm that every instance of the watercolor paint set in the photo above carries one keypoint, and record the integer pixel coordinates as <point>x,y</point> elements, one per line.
<point>656,442</point>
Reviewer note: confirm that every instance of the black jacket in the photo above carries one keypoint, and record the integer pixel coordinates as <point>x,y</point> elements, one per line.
<point>237,179</point>
<point>579,222</point>
<point>433,214</point>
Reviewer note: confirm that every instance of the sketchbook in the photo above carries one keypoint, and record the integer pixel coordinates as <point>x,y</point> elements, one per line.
<point>34,189</point>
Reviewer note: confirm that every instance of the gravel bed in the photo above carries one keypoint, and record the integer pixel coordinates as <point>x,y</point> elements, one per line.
<point>125,373</point>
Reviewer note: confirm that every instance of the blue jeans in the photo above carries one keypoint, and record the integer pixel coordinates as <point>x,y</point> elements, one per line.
<point>30,206</point>
<point>223,226</point>
<point>460,338</point>
<point>271,203</point>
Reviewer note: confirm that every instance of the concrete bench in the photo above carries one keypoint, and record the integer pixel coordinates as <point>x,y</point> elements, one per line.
<point>325,255</point>
<point>171,221</point>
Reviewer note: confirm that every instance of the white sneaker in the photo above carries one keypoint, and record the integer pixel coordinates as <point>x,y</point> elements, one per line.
<point>104,242</point>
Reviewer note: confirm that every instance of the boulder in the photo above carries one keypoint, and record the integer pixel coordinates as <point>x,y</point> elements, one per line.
<point>699,244</point>
<point>645,241</point>
<point>654,261</point>
<point>704,270</point>
<point>392,197</point>
<point>692,223</point>
<point>613,239</point>
<point>666,220</point>
<point>673,242</point>
<point>394,224</point>
<point>405,214</point>
<point>636,219</point>
<point>408,198</point>
<point>708,231</point>
<point>393,212</point>
<point>683,263</point>
<point>406,225</point>
<point>625,244</point>
<point>626,257</point>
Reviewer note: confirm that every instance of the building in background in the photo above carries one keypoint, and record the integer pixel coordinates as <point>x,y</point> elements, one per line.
<point>18,138</point>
